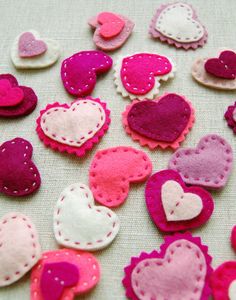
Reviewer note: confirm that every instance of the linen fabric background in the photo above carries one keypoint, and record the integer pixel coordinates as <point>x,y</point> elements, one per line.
<point>66,21</point>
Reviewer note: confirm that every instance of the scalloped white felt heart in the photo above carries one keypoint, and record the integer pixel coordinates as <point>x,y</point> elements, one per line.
<point>232,290</point>
<point>79,224</point>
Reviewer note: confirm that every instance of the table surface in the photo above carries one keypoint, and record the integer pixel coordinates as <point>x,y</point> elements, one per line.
<point>66,22</point>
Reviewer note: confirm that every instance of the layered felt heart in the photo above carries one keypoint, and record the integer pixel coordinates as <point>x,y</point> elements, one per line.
<point>209,164</point>
<point>79,224</point>
<point>111,25</point>
<point>73,128</point>
<point>19,247</point>
<point>63,274</point>
<point>79,72</point>
<point>29,46</point>
<point>113,169</point>
<point>173,206</point>
<point>180,270</point>
<point>15,100</point>
<point>18,174</point>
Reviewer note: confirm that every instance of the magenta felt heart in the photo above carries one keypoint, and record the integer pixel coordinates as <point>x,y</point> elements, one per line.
<point>222,67</point>
<point>18,174</point>
<point>29,46</point>
<point>111,25</point>
<point>10,96</point>
<point>79,72</point>
<point>163,120</point>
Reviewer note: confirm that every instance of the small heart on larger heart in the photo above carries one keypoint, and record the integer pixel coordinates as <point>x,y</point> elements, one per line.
<point>112,25</point>
<point>29,46</point>
<point>10,96</point>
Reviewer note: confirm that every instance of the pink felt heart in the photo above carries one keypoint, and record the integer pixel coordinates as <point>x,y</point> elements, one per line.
<point>29,46</point>
<point>112,25</point>
<point>10,96</point>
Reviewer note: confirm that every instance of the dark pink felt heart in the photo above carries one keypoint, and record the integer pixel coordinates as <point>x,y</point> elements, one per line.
<point>56,277</point>
<point>222,67</point>
<point>9,96</point>
<point>29,46</point>
<point>162,120</point>
<point>18,174</point>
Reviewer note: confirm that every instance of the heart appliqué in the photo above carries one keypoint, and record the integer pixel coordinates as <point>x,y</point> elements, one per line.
<point>232,290</point>
<point>29,46</point>
<point>10,96</point>
<point>79,224</point>
<point>112,25</point>
<point>233,238</point>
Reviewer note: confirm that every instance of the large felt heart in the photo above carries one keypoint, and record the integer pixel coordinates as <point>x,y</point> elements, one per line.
<point>29,46</point>
<point>79,224</point>
<point>224,66</point>
<point>112,25</point>
<point>10,96</point>
<point>209,164</point>
<point>79,72</point>
<point>162,120</point>
<point>173,206</point>
<point>19,247</point>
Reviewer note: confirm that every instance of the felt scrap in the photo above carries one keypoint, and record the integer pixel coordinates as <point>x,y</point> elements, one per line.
<point>29,46</point>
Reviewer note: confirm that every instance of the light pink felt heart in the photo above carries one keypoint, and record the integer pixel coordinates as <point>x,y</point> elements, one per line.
<point>29,46</point>
<point>112,25</point>
<point>10,96</point>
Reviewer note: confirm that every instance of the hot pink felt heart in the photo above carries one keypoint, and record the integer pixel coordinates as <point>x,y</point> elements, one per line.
<point>222,67</point>
<point>138,72</point>
<point>112,25</point>
<point>79,72</point>
<point>9,96</point>
<point>29,46</point>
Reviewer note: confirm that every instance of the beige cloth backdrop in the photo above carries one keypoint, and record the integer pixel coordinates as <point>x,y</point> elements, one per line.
<point>66,21</point>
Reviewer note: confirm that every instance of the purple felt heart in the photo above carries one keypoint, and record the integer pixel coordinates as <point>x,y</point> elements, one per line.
<point>162,120</point>
<point>18,174</point>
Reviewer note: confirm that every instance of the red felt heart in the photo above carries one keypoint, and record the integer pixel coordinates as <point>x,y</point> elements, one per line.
<point>10,96</point>
<point>112,25</point>
<point>222,67</point>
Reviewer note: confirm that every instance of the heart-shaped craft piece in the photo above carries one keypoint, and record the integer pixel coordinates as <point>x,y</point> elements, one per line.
<point>19,247</point>
<point>29,46</point>
<point>222,67</point>
<point>15,100</point>
<point>111,25</point>
<point>233,238</point>
<point>113,169</point>
<point>180,270</point>
<point>18,174</point>
<point>79,224</point>
<point>230,116</point>
<point>79,72</point>
<point>173,206</point>
<point>209,164</point>
<point>73,128</point>
<point>178,25</point>
<point>82,265</point>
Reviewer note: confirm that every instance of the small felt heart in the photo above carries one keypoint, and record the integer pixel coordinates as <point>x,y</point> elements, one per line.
<point>79,72</point>
<point>10,96</point>
<point>112,25</point>
<point>224,66</point>
<point>29,46</point>
<point>230,116</point>
<point>233,238</point>
<point>79,224</point>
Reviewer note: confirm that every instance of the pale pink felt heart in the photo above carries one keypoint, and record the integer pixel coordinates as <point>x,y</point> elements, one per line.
<point>112,25</point>
<point>10,96</point>
<point>29,46</point>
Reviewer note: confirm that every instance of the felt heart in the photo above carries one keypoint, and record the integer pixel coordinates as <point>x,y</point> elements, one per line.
<point>232,290</point>
<point>79,72</point>
<point>163,120</point>
<point>224,66</point>
<point>79,224</point>
<point>233,238</point>
<point>56,277</point>
<point>173,206</point>
<point>19,247</point>
<point>73,128</point>
<point>9,96</point>
<point>112,25</point>
<point>83,266</point>
<point>209,164</point>
<point>18,174</point>
<point>230,116</point>
<point>113,169</point>
<point>29,46</point>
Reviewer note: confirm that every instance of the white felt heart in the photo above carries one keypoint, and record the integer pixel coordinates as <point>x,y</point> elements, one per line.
<point>75,125</point>
<point>179,206</point>
<point>79,224</point>
<point>46,59</point>
<point>19,247</point>
<point>176,22</point>
<point>232,290</point>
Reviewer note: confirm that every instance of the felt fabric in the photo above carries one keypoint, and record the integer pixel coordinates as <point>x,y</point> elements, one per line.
<point>233,238</point>
<point>173,206</point>
<point>87,265</point>
<point>116,41</point>
<point>181,262</point>
<point>18,174</point>
<point>23,106</point>
<point>232,290</point>
<point>209,164</point>
<point>43,60</point>
<point>230,117</point>
<point>73,128</point>
<point>29,46</point>
<point>79,224</point>
<point>111,25</point>
<point>19,247</point>
<point>178,25</point>
<point>222,67</point>
<point>79,72</point>
<point>113,169</point>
